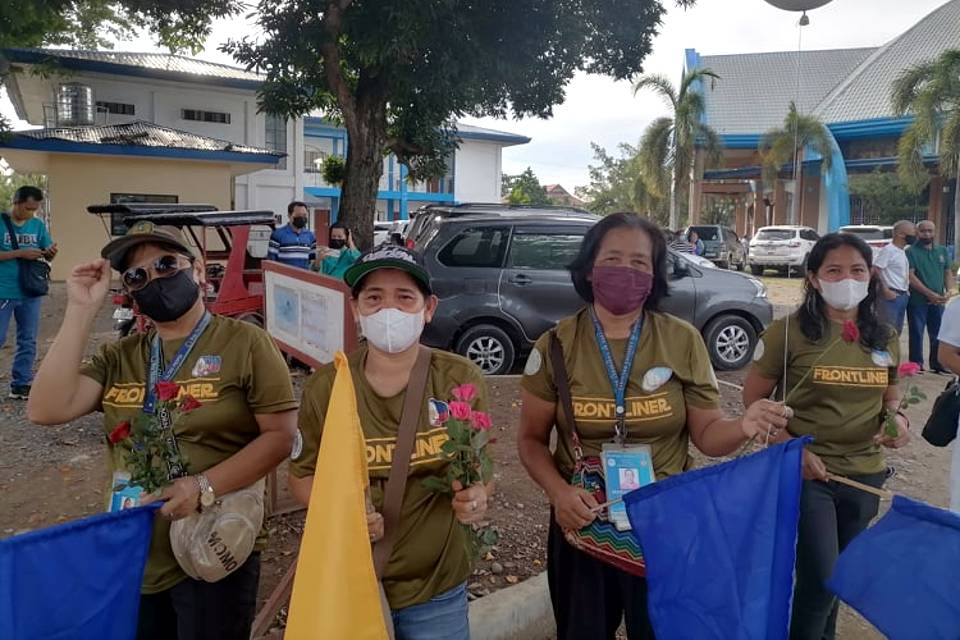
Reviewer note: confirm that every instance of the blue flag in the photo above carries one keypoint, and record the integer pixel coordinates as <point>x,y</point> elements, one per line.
<point>720,545</point>
<point>901,573</point>
<point>76,580</point>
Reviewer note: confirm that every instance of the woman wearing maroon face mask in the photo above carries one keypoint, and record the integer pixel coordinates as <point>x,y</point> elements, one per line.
<point>668,396</point>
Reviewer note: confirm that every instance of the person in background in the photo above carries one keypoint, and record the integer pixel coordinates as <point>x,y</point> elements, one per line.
<point>948,354</point>
<point>893,269</point>
<point>694,239</point>
<point>294,244</point>
<point>425,578</point>
<point>931,285</point>
<point>679,243</point>
<point>621,273</point>
<point>342,252</point>
<point>34,243</point>
<point>244,427</point>
<point>840,364</point>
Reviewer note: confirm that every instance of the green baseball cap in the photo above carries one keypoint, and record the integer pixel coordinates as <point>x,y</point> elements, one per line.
<point>388,256</point>
<point>144,232</point>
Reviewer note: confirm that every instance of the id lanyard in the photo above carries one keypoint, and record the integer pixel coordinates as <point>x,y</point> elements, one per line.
<point>618,381</point>
<point>156,375</point>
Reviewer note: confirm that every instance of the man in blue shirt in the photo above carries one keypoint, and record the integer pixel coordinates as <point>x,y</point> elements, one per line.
<point>34,244</point>
<point>294,244</point>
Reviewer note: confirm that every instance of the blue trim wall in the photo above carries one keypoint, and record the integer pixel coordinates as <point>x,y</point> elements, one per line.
<point>318,127</point>
<point>112,68</point>
<point>64,146</point>
<point>416,196</point>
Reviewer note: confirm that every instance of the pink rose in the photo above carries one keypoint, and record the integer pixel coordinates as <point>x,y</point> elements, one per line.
<point>167,391</point>
<point>120,432</point>
<point>460,411</point>
<point>481,421</point>
<point>851,333</point>
<point>465,392</point>
<point>189,403</point>
<point>908,369</point>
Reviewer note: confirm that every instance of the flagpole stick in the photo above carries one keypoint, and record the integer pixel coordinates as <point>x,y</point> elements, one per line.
<point>601,507</point>
<point>880,493</point>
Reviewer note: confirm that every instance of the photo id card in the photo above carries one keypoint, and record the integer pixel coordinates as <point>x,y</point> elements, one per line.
<point>625,469</point>
<point>124,495</point>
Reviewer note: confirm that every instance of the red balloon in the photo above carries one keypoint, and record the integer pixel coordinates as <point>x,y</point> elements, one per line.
<point>797,5</point>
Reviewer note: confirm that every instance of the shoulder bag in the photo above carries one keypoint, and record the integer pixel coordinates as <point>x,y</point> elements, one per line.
<point>941,426</point>
<point>600,539</point>
<point>34,275</point>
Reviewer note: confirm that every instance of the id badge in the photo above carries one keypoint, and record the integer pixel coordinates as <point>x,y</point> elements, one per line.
<point>123,495</point>
<point>626,468</point>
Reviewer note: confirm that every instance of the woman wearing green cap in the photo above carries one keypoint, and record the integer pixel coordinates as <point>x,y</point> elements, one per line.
<point>241,426</point>
<point>425,573</point>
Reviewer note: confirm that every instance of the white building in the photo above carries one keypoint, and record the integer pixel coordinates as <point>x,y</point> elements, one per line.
<point>219,102</point>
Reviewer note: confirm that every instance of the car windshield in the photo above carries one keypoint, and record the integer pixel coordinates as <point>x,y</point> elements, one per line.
<point>706,233</point>
<point>867,233</point>
<point>776,234</point>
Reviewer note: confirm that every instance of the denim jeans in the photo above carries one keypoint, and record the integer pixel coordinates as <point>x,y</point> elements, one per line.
<point>831,515</point>
<point>26,312</point>
<point>919,318</point>
<point>443,617</point>
<point>895,310</point>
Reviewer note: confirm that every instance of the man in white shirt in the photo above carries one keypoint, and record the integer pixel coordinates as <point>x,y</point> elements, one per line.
<point>891,265</point>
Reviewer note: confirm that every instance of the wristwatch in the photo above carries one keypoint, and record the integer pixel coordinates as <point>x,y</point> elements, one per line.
<point>207,496</point>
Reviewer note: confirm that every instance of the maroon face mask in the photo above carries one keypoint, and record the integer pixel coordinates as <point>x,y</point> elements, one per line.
<point>621,290</point>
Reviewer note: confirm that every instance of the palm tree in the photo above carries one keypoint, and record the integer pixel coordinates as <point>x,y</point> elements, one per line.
<point>668,145</point>
<point>787,143</point>
<point>930,91</point>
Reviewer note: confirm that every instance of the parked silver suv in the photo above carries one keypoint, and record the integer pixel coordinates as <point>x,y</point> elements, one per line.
<point>502,279</point>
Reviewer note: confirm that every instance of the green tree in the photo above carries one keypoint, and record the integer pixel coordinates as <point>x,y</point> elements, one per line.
<point>399,73</point>
<point>668,145</point>
<point>930,92</point>
<point>883,197</point>
<point>787,143</point>
<point>616,184</point>
<point>10,182</point>
<point>526,189</point>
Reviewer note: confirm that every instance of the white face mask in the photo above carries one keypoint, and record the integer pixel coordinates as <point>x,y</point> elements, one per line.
<point>392,330</point>
<point>844,294</point>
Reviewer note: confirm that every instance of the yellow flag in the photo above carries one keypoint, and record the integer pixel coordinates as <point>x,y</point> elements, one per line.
<point>335,592</point>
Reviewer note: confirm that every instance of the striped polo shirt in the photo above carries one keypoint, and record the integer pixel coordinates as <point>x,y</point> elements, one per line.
<point>292,248</point>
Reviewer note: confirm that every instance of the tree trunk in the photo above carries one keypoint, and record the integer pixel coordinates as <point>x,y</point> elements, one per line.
<point>795,211</point>
<point>956,212</point>
<point>366,139</point>
<point>674,194</point>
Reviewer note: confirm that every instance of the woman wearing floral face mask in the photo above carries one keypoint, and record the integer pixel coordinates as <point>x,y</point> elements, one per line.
<point>841,374</point>
<point>669,396</point>
<point>425,576</point>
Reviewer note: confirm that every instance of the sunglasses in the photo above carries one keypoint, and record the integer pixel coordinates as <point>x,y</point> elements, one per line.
<point>136,278</point>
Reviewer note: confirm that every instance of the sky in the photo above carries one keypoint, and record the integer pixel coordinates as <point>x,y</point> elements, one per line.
<point>597,109</point>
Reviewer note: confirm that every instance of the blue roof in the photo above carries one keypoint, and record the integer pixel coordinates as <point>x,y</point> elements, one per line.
<point>138,139</point>
<point>159,66</point>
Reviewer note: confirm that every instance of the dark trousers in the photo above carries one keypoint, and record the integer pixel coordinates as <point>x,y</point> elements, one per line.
<point>831,515</point>
<point>197,610</point>
<point>919,318</point>
<point>591,598</point>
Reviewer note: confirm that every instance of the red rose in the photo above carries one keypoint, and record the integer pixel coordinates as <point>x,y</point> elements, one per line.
<point>120,432</point>
<point>188,403</point>
<point>908,369</point>
<point>850,331</point>
<point>460,411</point>
<point>167,391</point>
<point>481,421</point>
<point>465,392</point>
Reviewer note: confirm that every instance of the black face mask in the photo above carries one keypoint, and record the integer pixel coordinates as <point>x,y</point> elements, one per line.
<point>910,239</point>
<point>166,299</point>
<point>337,243</point>
<point>298,223</point>
<point>925,241</point>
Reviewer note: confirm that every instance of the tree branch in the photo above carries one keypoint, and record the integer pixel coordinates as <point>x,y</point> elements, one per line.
<point>333,25</point>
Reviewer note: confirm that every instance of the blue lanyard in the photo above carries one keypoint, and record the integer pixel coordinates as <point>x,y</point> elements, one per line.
<point>618,381</point>
<point>156,360</point>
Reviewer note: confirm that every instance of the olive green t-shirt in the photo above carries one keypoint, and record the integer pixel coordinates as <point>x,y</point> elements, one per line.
<point>656,411</point>
<point>840,402</point>
<point>430,554</point>
<point>235,370</point>
<point>930,266</point>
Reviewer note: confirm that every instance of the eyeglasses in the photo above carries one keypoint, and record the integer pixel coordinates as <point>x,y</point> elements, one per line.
<point>136,278</point>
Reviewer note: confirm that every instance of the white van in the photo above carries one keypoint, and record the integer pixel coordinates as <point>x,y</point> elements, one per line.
<point>781,248</point>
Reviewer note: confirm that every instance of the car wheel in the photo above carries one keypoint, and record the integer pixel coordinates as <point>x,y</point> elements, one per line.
<point>742,265</point>
<point>489,347</point>
<point>756,270</point>
<point>730,340</point>
<point>783,272</point>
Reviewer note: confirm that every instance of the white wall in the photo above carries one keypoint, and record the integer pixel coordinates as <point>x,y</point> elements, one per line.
<point>477,172</point>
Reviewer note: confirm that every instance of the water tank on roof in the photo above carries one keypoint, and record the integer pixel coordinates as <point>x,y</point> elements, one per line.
<point>75,106</point>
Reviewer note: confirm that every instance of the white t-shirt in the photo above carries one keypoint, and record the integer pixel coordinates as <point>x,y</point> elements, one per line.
<point>950,324</point>
<point>894,268</point>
